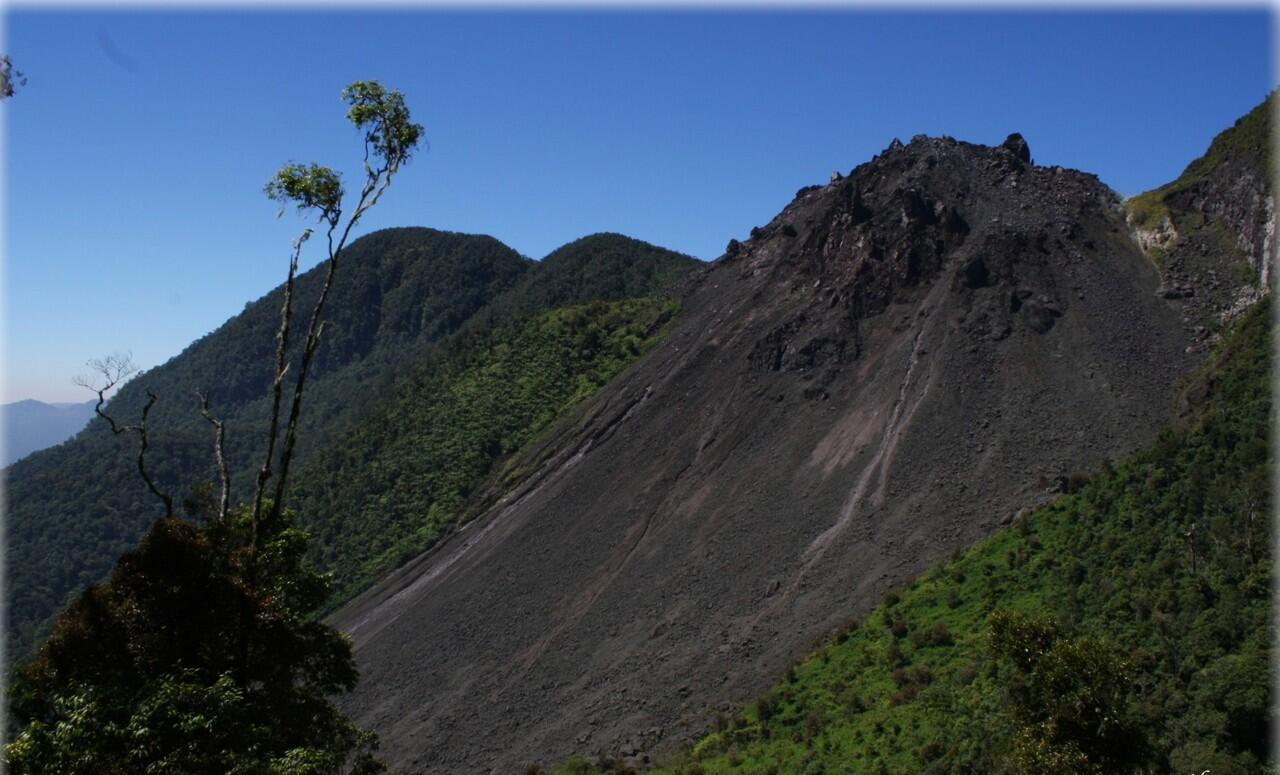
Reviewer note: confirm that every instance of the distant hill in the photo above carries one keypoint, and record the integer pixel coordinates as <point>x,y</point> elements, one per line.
<point>32,425</point>
<point>400,294</point>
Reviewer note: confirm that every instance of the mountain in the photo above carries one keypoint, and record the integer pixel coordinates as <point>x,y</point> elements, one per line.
<point>1156,569</point>
<point>399,294</point>
<point>33,425</point>
<point>890,370</point>
<point>1120,567</point>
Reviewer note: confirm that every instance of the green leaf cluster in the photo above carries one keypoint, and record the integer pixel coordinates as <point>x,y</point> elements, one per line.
<point>1068,696</point>
<point>309,186</point>
<point>389,134</point>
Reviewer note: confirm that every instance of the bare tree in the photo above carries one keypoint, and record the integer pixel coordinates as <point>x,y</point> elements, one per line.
<point>219,456</point>
<point>110,372</point>
<point>390,138</point>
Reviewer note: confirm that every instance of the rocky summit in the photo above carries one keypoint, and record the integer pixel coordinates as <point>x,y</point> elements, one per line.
<point>889,370</point>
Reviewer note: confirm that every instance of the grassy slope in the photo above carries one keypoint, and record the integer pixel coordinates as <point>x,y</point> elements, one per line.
<point>387,490</point>
<point>915,687</point>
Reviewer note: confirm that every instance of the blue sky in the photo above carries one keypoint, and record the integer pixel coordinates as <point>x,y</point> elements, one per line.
<point>137,151</point>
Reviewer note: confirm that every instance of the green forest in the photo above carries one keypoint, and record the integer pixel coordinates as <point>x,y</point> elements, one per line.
<point>388,489</point>
<point>1123,626</point>
<point>408,300</point>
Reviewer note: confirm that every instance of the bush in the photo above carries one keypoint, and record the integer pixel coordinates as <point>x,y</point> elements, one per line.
<point>1077,481</point>
<point>898,626</point>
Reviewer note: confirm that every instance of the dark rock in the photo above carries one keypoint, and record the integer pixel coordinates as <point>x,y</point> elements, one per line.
<point>1018,146</point>
<point>974,274</point>
<point>1039,316</point>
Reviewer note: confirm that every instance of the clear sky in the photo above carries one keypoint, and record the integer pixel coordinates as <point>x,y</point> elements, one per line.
<point>137,151</point>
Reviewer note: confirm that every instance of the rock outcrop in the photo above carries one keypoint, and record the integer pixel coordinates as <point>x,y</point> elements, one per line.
<point>1212,231</point>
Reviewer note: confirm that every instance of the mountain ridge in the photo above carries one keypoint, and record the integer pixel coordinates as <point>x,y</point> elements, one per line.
<point>929,335</point>
<point>400,294</point>
<point>31,425</point>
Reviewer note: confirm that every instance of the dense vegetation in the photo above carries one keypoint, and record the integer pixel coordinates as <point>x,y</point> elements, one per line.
<point>144,673</point>
<point>1248,139</point>
<point>1125,625</point>
<point>75,508</point>
<point>599,266</point>
<point>386,490</point>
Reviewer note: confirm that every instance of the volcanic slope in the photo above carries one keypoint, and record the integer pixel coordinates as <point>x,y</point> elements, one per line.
<point>888,370</point>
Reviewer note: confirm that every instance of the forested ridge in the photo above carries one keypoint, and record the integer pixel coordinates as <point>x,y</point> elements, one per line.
<point>1124,626</point>
<point>395,483</point>
<point>74,509</point>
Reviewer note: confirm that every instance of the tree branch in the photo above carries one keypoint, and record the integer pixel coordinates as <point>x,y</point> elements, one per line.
<point>277,384</point>
<point>114,370</point>
<point>219,437</point>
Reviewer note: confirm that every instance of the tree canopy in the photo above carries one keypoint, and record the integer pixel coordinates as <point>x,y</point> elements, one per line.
<point>202,653</point>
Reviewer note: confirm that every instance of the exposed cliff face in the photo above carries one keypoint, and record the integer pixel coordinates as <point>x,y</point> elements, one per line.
<point>888,370</point>
<point>1212,230</point>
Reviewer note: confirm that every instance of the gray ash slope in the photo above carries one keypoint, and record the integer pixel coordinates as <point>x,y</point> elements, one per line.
<point>887,371</point>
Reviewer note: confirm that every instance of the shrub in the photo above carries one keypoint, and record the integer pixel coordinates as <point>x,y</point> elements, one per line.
<point>1077,481</point>
<point>766,708</point>
<point>922,675</point>
<point>930,751</point>
<point>898,626</point>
